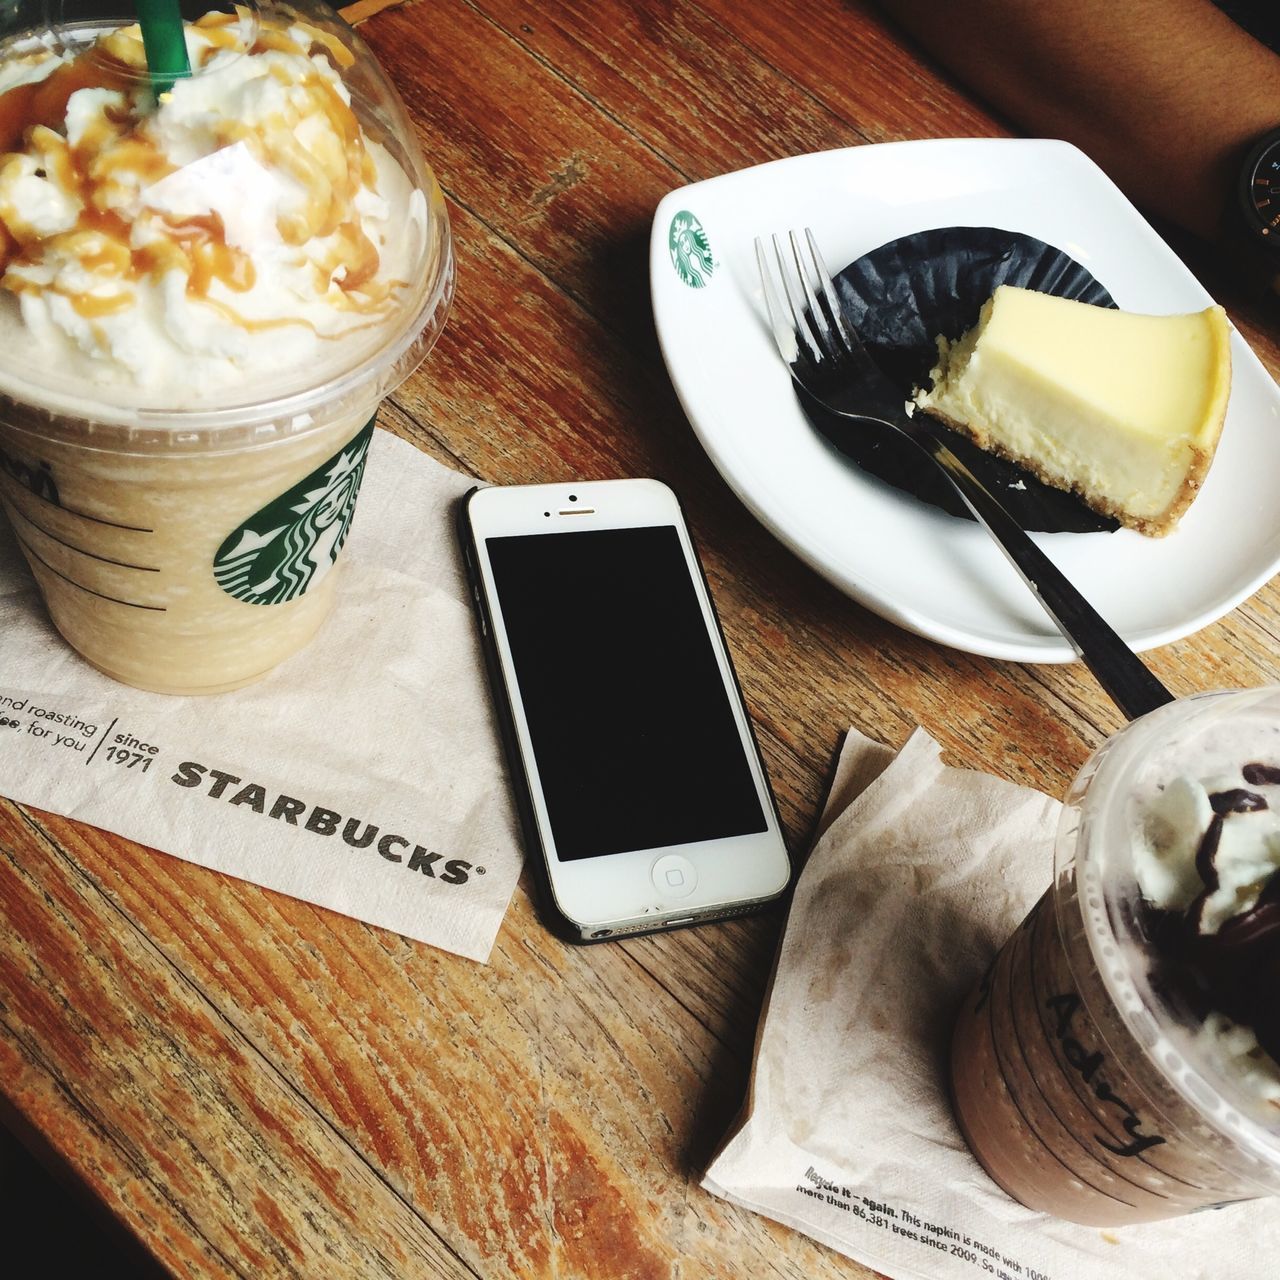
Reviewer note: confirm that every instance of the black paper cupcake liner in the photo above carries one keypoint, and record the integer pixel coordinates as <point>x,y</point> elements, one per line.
<point>901,296</point>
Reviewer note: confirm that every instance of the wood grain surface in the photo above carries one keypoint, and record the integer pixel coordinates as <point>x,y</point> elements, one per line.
<point>257,1087</point>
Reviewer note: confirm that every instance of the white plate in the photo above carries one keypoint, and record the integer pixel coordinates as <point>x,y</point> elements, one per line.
<point>924,570</point>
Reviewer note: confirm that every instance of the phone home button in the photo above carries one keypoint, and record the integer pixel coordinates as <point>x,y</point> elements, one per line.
<point>674,876</point>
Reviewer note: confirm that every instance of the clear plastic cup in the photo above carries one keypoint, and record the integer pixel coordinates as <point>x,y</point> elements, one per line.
<point>1081,1079</point>
<point>181,487</point>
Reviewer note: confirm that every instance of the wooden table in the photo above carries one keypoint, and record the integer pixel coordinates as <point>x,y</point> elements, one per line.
<point>257,1087</point>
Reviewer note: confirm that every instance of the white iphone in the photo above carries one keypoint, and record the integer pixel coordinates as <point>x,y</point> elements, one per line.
<point>643,797</point>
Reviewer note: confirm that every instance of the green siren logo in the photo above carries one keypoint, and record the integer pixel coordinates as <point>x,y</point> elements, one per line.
<point>690,250</point>
<point>292,542</point>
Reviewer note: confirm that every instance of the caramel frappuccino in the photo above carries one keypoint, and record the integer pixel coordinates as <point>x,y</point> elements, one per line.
<point>203,298</point>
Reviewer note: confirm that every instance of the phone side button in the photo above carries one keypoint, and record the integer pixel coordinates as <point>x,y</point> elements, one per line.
<point>674,876</point>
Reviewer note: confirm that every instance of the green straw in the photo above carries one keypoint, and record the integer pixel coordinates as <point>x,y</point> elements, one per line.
<point>162,38</point>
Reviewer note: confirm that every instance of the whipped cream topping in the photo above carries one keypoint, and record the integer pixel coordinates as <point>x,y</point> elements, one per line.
<point>229,231</point>
<point>1236,1047</point>
<point>1210,846</point>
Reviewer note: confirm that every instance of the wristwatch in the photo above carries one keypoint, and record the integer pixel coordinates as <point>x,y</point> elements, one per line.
<point>1252,232</point>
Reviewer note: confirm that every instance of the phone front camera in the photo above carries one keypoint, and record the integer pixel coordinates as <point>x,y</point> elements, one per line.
<point>573,497</point>
<point>546,513</point>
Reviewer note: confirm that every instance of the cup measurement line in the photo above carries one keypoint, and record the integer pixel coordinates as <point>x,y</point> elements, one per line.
<point>111,524</point>
<point>1013,1097</point>
<point>71,546</point>
<point>132,604</point>
<point>1144,1157</point>
<point>83,515</point>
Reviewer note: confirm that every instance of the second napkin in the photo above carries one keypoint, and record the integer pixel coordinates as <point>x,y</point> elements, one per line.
<point>920,874</point>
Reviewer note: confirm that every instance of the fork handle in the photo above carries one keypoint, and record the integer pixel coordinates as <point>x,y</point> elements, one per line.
<point>1119,670</point>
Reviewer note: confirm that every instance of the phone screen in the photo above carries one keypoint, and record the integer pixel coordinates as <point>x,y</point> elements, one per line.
<point>629,716</point>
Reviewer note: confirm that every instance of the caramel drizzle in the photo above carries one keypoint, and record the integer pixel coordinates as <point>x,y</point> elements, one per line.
<point>331,172</point>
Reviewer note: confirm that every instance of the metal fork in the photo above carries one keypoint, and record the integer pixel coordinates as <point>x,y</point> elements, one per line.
<point>826,358</point>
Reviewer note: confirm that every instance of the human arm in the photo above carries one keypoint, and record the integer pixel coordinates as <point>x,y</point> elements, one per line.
<point>1164,94</point>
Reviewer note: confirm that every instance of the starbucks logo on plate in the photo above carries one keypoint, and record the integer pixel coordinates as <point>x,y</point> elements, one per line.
<point>690,250</point>
<point>292,542</point>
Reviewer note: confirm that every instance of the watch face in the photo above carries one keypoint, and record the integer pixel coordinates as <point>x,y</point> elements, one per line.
<point>1261,190</point>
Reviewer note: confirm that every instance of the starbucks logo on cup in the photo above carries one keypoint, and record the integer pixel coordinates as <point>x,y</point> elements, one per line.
<point>292,542</point>
<point>690,250</point>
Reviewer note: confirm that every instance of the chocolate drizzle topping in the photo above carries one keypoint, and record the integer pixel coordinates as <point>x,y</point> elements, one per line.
<point>1207,851</point>
<point>1237,800</point>
<point>1235,971</point>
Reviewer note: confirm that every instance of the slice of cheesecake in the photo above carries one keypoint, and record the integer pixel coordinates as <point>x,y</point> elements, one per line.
<point>1123,409</point>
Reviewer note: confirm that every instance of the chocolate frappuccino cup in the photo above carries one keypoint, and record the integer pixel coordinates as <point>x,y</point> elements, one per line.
<point>206,292</point>
<point>1104,1071</point>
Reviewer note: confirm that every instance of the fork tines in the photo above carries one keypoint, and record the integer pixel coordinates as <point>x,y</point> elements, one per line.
<point>811,325</point>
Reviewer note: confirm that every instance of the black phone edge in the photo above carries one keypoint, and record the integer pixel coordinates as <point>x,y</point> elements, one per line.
<point>548,910</point>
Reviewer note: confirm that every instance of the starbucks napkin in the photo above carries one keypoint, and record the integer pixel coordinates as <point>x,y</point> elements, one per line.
<point>364,774</point>
<point>920,873</point>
